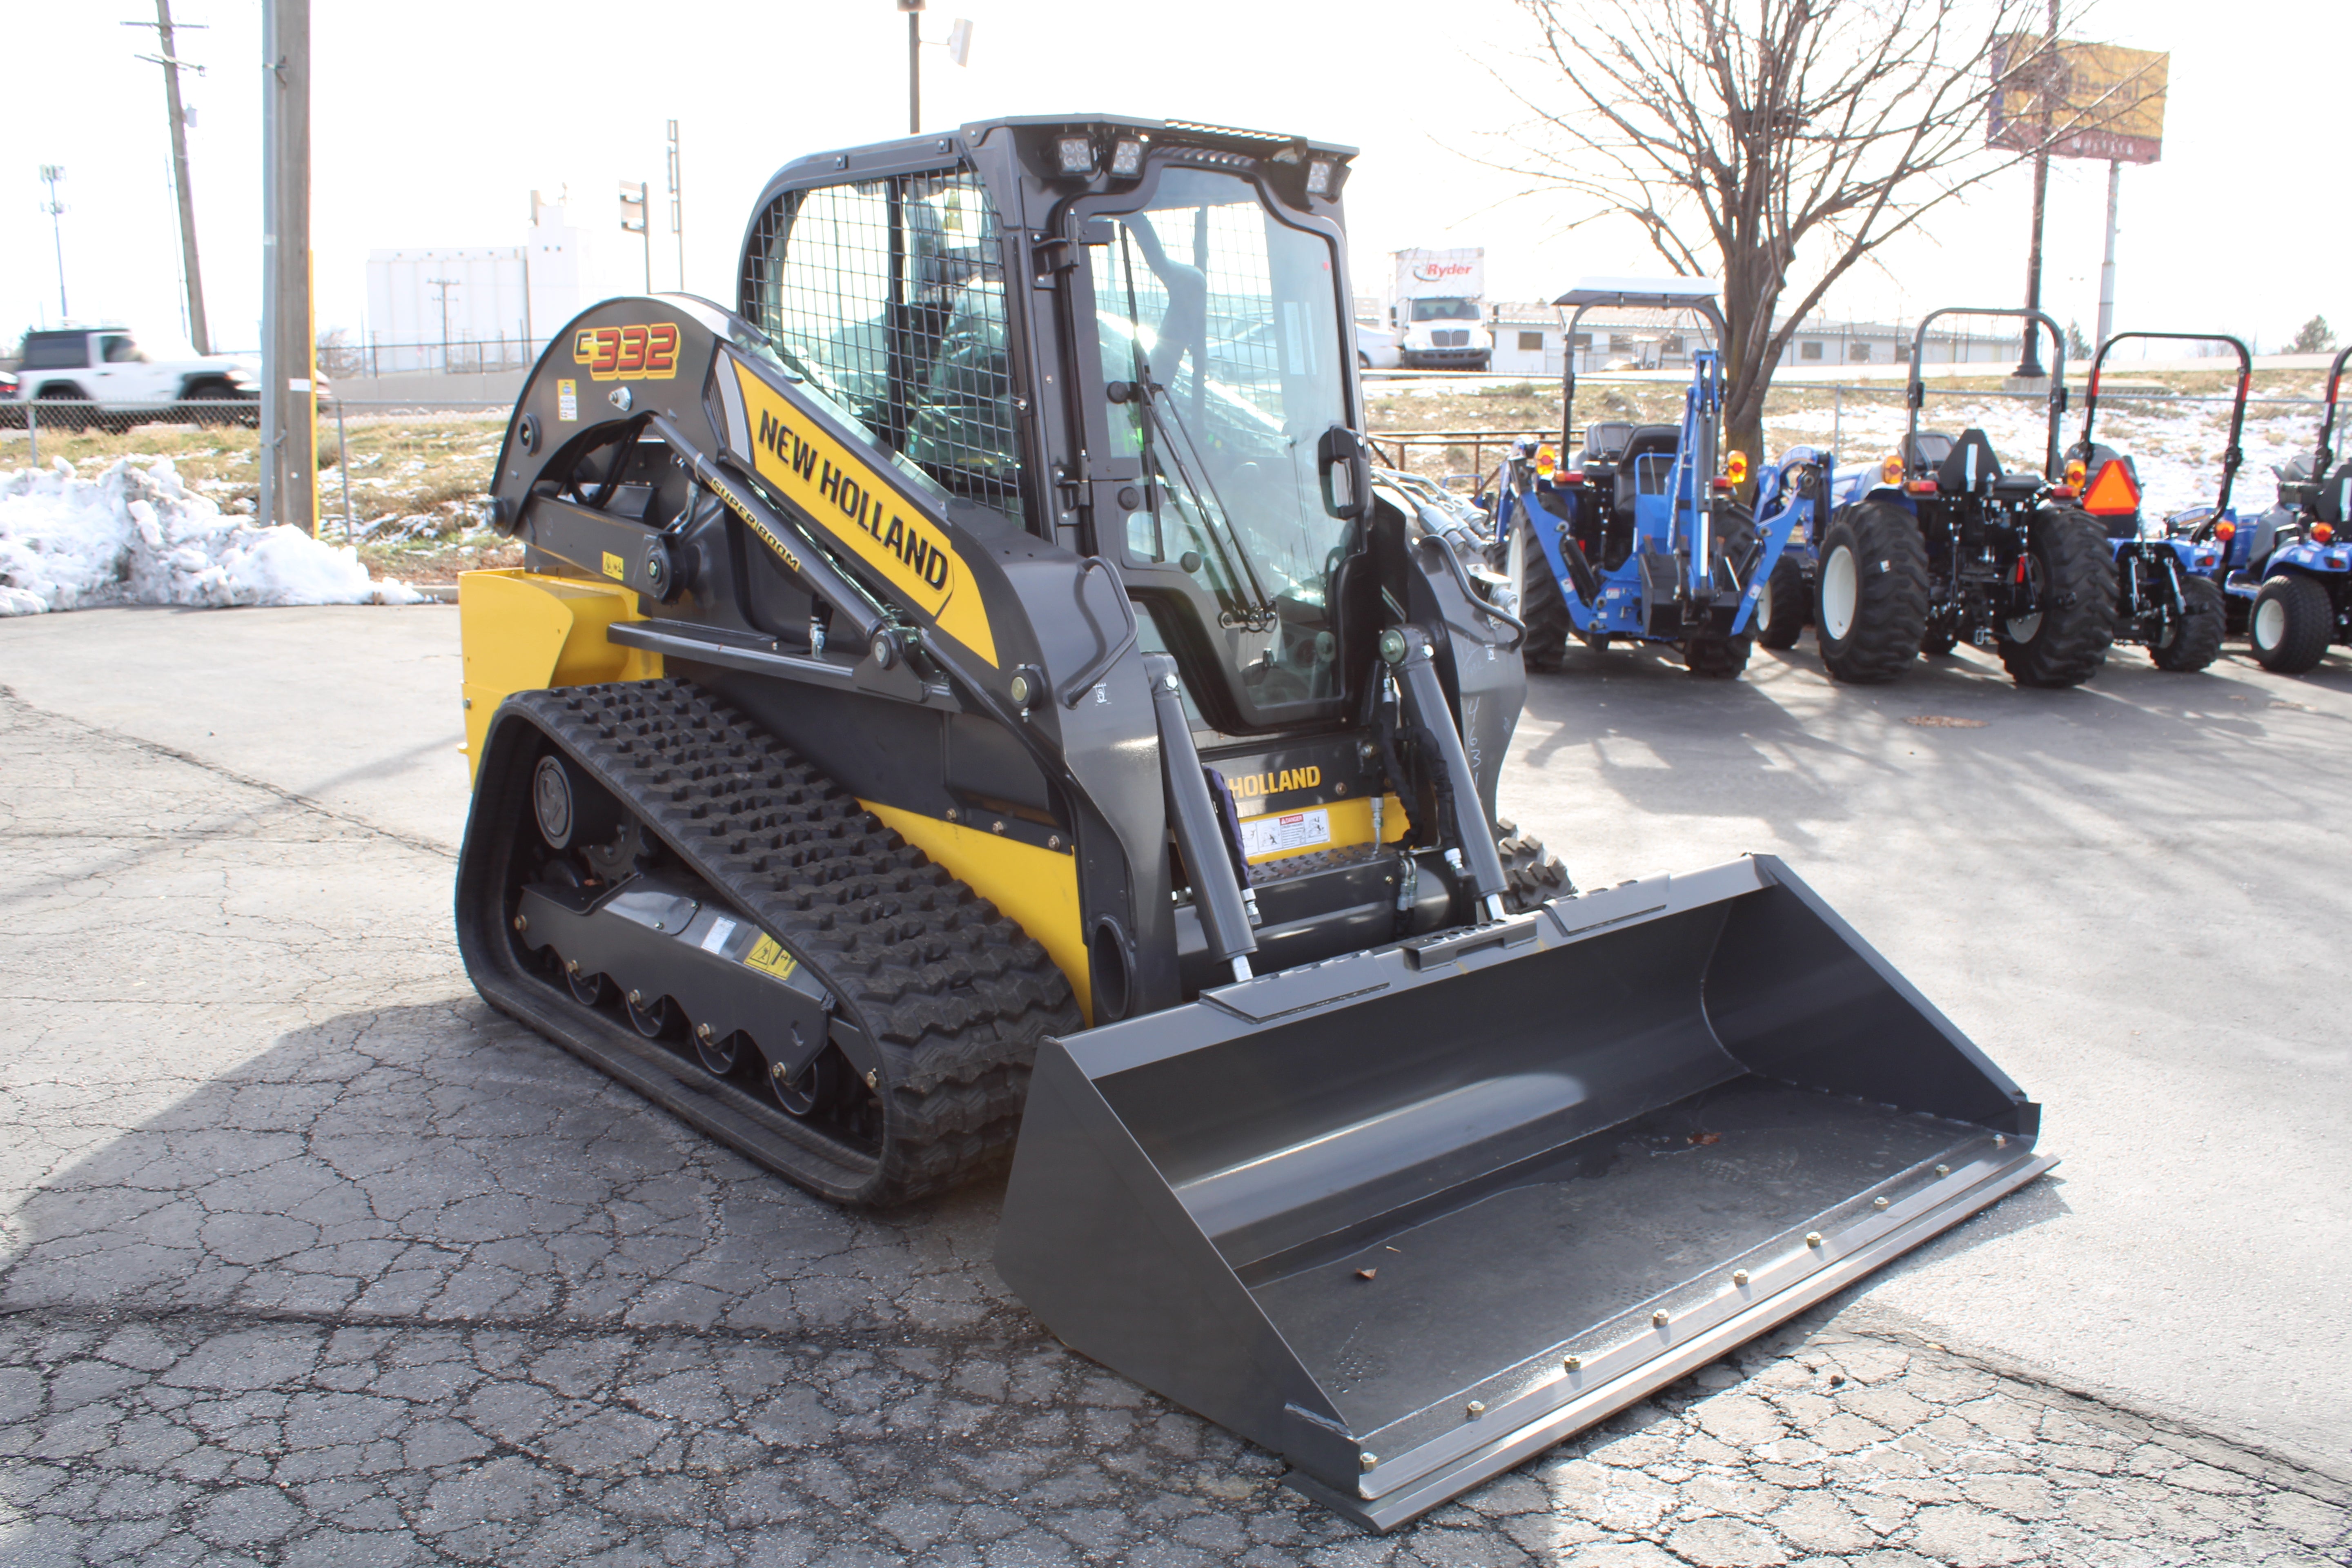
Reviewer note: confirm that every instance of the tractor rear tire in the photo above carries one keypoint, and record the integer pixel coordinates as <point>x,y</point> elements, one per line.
<point>1783,608</point>
<point>1543,613</point>
<point>2066,642</point>
<point>1870,594</point>
<point>2292,622</point>
<point>1532,874</point>
<point>2197,643</point>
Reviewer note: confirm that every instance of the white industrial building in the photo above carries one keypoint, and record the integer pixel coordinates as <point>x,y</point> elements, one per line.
<point>488,308</point>
<point>1529,340</point>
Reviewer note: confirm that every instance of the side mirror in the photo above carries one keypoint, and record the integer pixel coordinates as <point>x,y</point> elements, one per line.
<point>1344,463</point>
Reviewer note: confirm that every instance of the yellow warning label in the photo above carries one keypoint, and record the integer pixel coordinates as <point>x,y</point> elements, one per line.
<point>769,957</point>
<point>855,506</point>
<point>614,567</point>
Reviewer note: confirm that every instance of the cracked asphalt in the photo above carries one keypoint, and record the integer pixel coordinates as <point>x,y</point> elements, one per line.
<point>307,1257</point>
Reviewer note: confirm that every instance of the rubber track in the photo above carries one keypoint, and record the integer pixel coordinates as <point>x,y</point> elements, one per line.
<point>954,996</point>
<point>2071,643</point>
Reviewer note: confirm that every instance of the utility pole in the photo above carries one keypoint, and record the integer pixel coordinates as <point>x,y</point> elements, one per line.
<point>2029,368</point>
<point>290,405</point>
<point>677,218</point>
<point>914,9</point>
<point>50,174</point>
<point>635,219</point>
<point>441,285</point>
<point>172,66</point>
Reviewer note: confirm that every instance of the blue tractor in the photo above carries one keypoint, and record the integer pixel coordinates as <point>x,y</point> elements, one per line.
<point>1643,537</point>
<point>2167,585</point>
<point>2290,570</point>
<point>1939,543</point>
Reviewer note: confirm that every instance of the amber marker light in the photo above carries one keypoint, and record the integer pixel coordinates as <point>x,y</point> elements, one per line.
<point>2075,474</point>
<point>1890,470</point>
<point>1547,460</point>
<point>1734,466</point>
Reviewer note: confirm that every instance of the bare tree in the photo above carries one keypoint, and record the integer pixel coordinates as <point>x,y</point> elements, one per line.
<point>1773,143</point>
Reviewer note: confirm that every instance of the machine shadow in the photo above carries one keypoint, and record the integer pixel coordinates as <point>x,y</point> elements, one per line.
<point>436,1163</point>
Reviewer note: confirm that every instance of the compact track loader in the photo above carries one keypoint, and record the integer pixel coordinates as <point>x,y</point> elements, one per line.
<point>977,690</point>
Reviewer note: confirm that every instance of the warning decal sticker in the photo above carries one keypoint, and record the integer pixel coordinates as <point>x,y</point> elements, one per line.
<point>769,957</point>
<point>1286,833</point>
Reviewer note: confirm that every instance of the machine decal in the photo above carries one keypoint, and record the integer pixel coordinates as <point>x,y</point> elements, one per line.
<point>614,567</point>
<point>769,957</point>
<point>628,353</point>
<point>859,508</point>
<point>1287,832</point>
<point>1248,786</point>
<point>567,401</point>
<point>766,534</point>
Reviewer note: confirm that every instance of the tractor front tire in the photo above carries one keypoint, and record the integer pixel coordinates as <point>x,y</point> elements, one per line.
<point>2198,641</point>
<point>1870,594</point>
<point>1784,606</point>
<point>2291,624</point>
<point>2063,643</point>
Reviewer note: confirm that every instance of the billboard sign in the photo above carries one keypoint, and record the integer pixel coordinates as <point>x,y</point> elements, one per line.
<point>2103,101</point>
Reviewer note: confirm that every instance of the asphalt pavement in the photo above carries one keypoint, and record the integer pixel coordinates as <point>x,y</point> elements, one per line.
<point>306,1256</point>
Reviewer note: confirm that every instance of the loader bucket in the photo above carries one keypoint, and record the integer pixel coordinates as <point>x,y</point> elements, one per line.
<point>1410,1217</point>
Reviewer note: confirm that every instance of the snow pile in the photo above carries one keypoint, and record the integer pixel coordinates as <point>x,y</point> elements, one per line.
<point>136,535</point>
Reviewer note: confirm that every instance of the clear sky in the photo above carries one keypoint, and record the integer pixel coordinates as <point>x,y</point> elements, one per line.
<point>436,119</point>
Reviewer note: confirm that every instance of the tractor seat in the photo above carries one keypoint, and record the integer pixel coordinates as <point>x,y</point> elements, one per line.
<point>2328,505</point>
<point>1970,467</point>
<point>1605,441</point>
<point>1647,441</point>
<point>1929,449</point>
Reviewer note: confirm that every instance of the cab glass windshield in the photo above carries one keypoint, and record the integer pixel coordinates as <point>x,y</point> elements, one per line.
<point>1219,334</point>
<point>1444,310</point>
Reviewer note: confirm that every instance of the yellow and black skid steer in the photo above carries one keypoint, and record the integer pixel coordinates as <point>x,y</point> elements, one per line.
<point>975,699</point>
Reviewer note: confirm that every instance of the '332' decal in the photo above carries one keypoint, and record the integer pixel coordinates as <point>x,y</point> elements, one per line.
<point>628,353</point>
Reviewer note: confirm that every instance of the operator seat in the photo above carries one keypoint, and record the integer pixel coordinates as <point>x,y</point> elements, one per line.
<point>1647,441</point>
<point>1970,467</point>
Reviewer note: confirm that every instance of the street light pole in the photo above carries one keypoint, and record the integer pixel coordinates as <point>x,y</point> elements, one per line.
<point>677,212</point>
<point>50,174</point>
<point>2029,368</point>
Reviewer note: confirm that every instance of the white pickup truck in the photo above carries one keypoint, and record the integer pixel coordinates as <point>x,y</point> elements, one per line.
<point>80,375</point>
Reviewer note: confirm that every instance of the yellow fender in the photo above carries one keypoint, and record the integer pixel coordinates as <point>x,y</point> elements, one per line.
<point>522,631</point>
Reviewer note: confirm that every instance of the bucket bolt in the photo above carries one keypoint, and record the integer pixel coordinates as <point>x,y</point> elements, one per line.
<point>702,1031</point>
<point>1368,1460</point>
<point>636,998</point>
<point>1813,1238</point>
<point>1660,1318</point>
<point>1739,1276</point>
<point>1943,1170</point>
<point>1878,1203</point>
<point>1572,1363</point>
<point>1475,1409</point>
<point>523,922</point>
